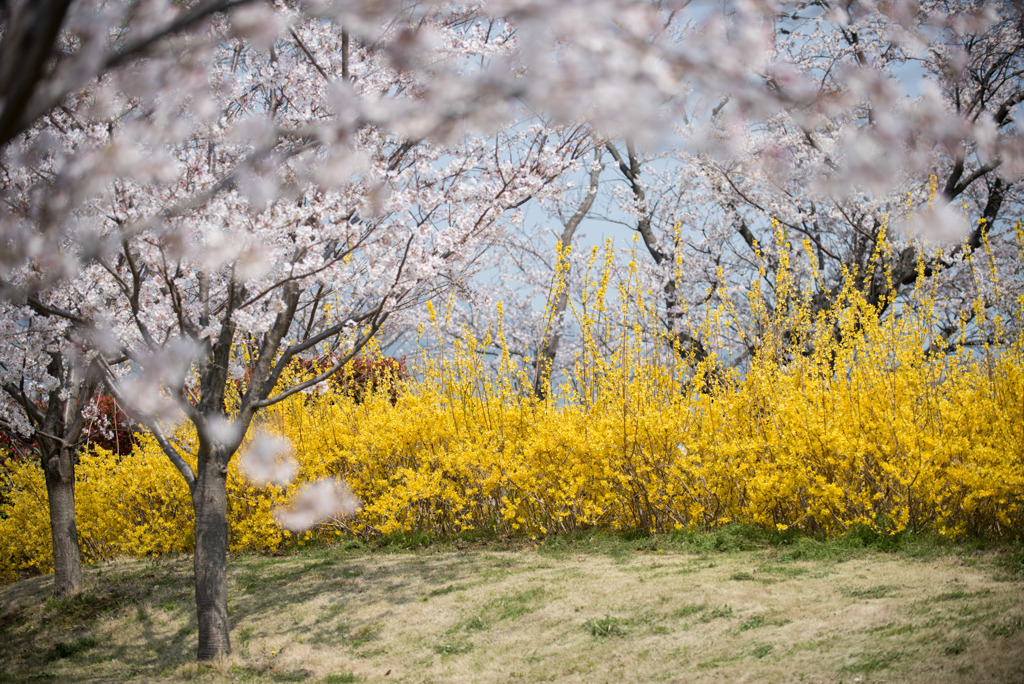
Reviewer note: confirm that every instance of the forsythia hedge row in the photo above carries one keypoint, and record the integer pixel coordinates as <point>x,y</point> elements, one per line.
<point>871,431</point>
<point>842,417</point>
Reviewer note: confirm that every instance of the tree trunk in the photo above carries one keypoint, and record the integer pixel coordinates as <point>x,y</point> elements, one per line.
<point>546,355</point>
<point>549,350</point>
<point>59,471</point>
<point>209,500</point>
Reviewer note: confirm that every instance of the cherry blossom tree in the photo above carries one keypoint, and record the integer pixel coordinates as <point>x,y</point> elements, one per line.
<point>896,156</point>
<point>49,388</point>
<point>277,244</point>
<point>52,123</point>
<point>49,54</point>
<point>323,284</point>
<point>864,198</point>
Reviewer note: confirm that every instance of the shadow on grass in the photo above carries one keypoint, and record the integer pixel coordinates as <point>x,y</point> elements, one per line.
<point>336,581</point>
<point>46,633</point>
<point>153,600</point>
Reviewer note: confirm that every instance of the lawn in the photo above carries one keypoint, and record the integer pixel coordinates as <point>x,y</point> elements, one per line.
<point>721,607</point>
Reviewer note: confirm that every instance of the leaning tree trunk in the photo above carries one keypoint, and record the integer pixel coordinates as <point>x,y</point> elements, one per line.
<point>209,500</point>
<point>59,469</point>
<point>549,349</point>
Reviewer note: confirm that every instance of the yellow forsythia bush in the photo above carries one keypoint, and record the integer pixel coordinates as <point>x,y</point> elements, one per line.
<point>133,505</point>
<point>842,417</point>
<point>932,446</point>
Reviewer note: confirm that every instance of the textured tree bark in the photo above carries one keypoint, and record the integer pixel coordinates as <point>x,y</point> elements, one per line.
<point>60,492</point>
<point>209,499</point>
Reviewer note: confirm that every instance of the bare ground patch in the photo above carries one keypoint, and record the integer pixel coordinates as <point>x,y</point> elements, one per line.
<point>497,616</point>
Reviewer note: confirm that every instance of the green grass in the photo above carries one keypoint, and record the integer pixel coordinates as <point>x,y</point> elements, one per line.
<point>66,649</point>
<point>895,628</point>
<point>85,605</point>
<point>719,612</point>
<point>869,663</point>
<point>604,627</point>
<point>754,623</point>
<point>875,592</point>
<point>782,547</point>
<point>959,594</point>
<point>365,635</point>
<point>451,647</point>
<point>1008,626</point>
<point>688,610</point>
<point>245,637</point>
<point>343,678</point>
<point>783,571</point>
<point>957,647</point>
<point>515,605</point>
<point>473,624</point>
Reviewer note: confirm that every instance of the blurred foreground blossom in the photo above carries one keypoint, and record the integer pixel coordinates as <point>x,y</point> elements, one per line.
<point>941,224</point>
<point>146,397</point>
<point>269,460</point>
<point>320,500</point>
<point>149,388</point>
<point>221,430</point>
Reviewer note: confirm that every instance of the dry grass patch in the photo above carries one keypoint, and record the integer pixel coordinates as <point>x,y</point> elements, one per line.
<point>504,615</point>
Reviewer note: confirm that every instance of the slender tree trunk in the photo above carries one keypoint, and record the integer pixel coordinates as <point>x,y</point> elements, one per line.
<point>546,355</point>
<point>59,471</point>
<point>549,348</point>
<point>209,500</point>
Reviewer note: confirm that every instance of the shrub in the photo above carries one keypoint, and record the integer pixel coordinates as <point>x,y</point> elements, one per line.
<point>362,375</point>
<point>843,419</point>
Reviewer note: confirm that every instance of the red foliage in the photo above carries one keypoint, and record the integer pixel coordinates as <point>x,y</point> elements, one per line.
<point>111,429</point>
<point>13,448</point>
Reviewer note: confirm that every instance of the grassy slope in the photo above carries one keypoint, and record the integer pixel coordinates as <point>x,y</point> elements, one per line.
<point>718,608</point>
